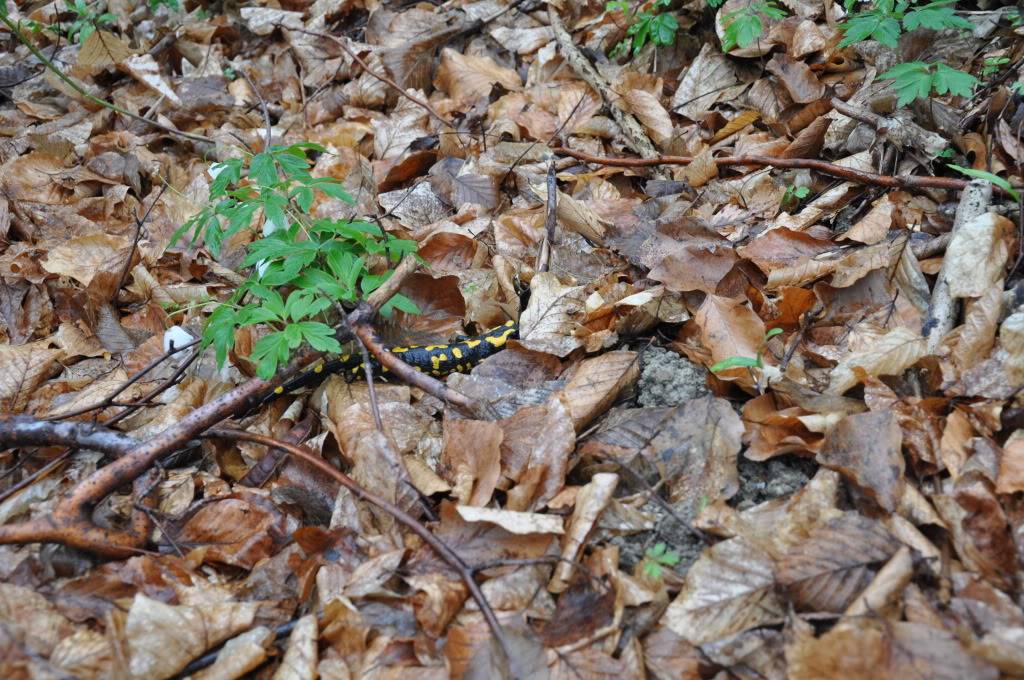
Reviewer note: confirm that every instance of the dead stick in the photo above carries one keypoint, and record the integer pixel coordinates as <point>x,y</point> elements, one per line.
<point>447,554</point>
<point>824,167</point>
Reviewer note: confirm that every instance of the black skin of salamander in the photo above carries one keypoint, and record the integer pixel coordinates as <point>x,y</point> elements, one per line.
<point>435,360</point>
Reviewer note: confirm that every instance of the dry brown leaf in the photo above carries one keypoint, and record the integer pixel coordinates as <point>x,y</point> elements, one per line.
<point>161,638</point>
<point>729,328</point>
<point>535,453</point>
<point>598,383</point>
<point>471,459</point>
<point>512,521</point>
<point>710,78</point>
<point>651,114</point>
<point>555,312</point>
<point>873,227</point>
<point>30,619</point>
<point>467,77</point>
<point>591,501</point>
<point>891,354</point>
<point>866,448</point>
<point>828,570</point>
<point>977,254</point>
<point>22,369</point>
<point>84,257</point>
<point>729,589</point>
<point>867,649</point>
<point>1011,465</point>
<point>701,170</point>
<point>240,655</point>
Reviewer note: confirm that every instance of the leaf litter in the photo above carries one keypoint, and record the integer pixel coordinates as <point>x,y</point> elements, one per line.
<point>841,500</point>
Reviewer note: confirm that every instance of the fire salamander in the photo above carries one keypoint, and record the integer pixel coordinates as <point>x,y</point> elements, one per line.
<point>437,360</point>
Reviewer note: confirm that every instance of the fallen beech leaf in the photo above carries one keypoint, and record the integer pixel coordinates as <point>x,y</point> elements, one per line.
<point>709,79</point>
<point>471,459</point>
<point>31,619</point>
<point>240,655</point>
<point>866,448</point>
<point>729,589</point>
<point>828,570</point>
<point>761,651</point>
<point>535,450</point>
<point>873,227</point>
<point>591,501</point>
<point>866,649</point>
<point>598,383</point>
<point>143,68</point>
<point>236,531</point>
<point>467,77</point>
<point>22,369</point>
<point>513,522</point>
<point>1011,465</point>
<point>669,657</point>
<point>84,257</point>
<point>891,354</point>
<point>796,76</point>
<point>161,638</point>
<point>651,114</point>
<point>549,322</point>
<point>977,254</point>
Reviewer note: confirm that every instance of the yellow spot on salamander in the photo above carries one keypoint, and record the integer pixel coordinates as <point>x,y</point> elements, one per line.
<point>470,344</point>
<point>399,350</point>
<point>457,352</point>
<point>499,340</point>
<point>431,348</point>
<point>319,368</point>
<point>279,390</point>
<point>345,357</point>
<point>436,360</point>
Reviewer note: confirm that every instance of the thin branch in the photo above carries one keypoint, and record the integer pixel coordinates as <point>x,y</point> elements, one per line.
<point>139,223</point>
<point>452,558</point>
<point>824,167</point>
<point>550,220</point>
<point>269,137</point>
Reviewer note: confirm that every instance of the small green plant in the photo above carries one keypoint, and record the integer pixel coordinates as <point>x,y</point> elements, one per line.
<point>86,20</point>
<point>993,65</point>
<point>1017,87</point>
<point>887,19</point>
<point>794,195</point>
<point>653,26</point>
<point>744,26</point>
<point>989,177</point>
<point>747,362</point>
<point>657,559</point>
<point>169,4</point>
<point>917,80</point>
<point>301,267</point>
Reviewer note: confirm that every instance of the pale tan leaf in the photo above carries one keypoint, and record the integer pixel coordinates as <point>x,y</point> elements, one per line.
<point>709,79</point>
<point>163,638</point>
<point>729,589</point>
<point>578,217</point>
<point>828,570</point>
<point>889,583</point>
<point>740,121</point>
<point>977,335</point>
<point>143,68</point>
<point>31,619</point>
<point>85,654</point>
<point>598,383</point>
<point>22,369</point>
<point>591,501</point>
<point>651,114</point>
<point>549,322</point>
<point>240,655</point>
<point>977,254</point>
<point>729,328</point>
<point>471,459</point>
<point>535,450</point>
<point>512,521</point>
<point>891,354</point>
<point>1011,465</point>
<point>873,227</point>
<point>702,169</point>
<point>469,77</point>
<point>100,50</point>
<point>855,264</point>
<point>84,257</point>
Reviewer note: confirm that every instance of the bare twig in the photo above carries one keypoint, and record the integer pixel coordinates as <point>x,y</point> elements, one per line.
<point>550,220</point>
<point>453,560</point>
<point>139,223</point>
<point>824,167</point>
<point>269,136</point>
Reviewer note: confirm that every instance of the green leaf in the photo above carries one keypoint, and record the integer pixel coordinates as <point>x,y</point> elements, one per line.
<point>335,190</point>
<point>772,333</point>
<point>320,336</point>
<point>936,17</point>
<point>663,29</point>
<point>735,362</point>
<point>953,81</point>
<point>263,170</point>
<point>403,304</point>
<point>988,176</point>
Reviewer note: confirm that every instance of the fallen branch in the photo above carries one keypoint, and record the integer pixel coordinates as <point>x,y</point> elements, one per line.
<point>628,123</point>
<point>465,572</point>
<point>824,167</point>
<point>943,309</point>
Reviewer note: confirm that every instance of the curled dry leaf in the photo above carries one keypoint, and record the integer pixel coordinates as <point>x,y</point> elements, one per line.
<point>729,589</point>
<point>836,562</point>
<point>550,320</point>
<point>598,383</point>
<point>161,638</point>
<point>471,459</point>
<point>467,77</point>
<point>591,501</point>
<point>240,654</point>
<point>977,255</point>
<point>866,448</point>
<point>891,354</point>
